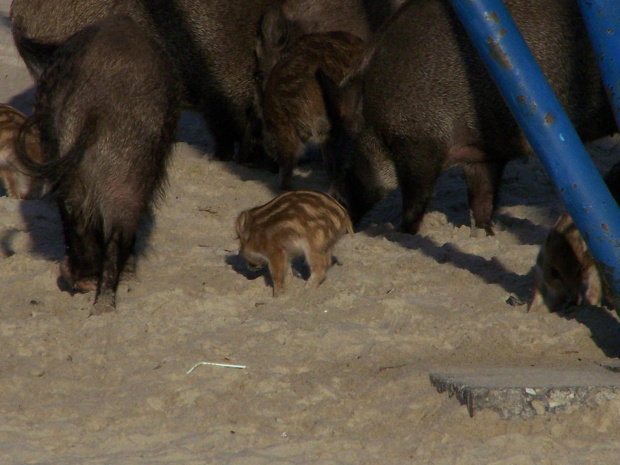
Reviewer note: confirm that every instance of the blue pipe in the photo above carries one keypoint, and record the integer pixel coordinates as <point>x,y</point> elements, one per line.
<point>547,128</point>
<point>602,19</point>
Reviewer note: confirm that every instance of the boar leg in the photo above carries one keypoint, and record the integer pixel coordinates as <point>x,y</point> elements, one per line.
<point>219,122</point>
<point>592,287</point>
<point>285,173</point>
<point>81,265</point>
<point>118,247</point>
<point>10,182</point>
<point>417,171</point>
<point>483,181</point>
<point>287,151</point>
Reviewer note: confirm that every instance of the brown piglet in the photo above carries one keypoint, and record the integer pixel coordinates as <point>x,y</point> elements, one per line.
<point>18,184</point>
<point>566,273</point>
<point>293,110</point>
<point>293,224</point>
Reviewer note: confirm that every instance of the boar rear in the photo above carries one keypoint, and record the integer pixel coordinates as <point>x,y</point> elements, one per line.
<point>107,108</point>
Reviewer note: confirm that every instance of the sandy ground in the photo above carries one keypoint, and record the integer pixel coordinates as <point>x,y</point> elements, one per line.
<point>337,375</point>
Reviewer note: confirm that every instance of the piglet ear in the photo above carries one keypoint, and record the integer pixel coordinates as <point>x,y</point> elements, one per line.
<point>241,223</point>
<point>592,286</point>
<point>274,32</point>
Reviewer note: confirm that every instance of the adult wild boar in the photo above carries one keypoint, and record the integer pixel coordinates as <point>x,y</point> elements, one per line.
<point>422,101</point>
<point>107,107</point>
<point>212,43</point>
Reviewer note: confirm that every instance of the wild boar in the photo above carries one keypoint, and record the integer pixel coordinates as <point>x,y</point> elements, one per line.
<point>211,42</point>
<point>296,223</point>
<point>107,108</point>
<point>421,101</point>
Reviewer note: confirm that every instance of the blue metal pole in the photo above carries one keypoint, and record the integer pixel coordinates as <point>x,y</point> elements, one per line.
<point>548,129</point>
<point>602,19</point>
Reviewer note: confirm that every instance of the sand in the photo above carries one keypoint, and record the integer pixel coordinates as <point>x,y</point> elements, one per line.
<point>337,375</point>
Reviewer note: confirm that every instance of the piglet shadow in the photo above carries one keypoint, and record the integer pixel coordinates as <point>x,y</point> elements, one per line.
<point>604,328</point>
<point>237,262</point>
<point>299,266</point>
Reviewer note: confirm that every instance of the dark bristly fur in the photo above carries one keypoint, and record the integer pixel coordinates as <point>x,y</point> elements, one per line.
<point>423,101</point>
<point>16,181</point>
<point>212,42</point>
<point>293,110</point>
<point>107,107</point>
<point>293,224</point>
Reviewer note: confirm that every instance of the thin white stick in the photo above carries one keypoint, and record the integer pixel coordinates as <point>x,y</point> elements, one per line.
<point>225,365</point>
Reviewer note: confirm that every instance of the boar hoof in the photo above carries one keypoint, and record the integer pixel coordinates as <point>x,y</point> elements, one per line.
<point>477,232</point>
<point>83,285</point>
<point>105,303</point>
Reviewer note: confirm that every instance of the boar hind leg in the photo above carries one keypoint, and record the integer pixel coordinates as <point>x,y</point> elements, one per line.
<point>220,123</point>
<point>118,247</point>
<point>483,181</point>
<point>417,171</point>
<point>82,264</point>
<point>288,150</point>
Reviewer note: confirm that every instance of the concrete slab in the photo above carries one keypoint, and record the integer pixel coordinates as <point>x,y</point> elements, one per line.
<point>527,392</point>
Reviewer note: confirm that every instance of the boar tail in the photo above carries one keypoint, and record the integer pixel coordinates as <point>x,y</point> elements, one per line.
<point>55,165</point>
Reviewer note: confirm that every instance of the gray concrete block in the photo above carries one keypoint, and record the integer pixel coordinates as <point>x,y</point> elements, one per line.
<point>527,392</point>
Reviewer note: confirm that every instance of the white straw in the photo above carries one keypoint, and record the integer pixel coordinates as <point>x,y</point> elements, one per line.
<point>225,365</point>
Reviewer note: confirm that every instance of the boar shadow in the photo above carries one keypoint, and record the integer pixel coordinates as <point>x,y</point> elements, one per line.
<point>192,130</point>
<point>42,222</point>
<point>604,328</point>
<point>5,21</point>
<point>237,262</point>
<point>491,271</point>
